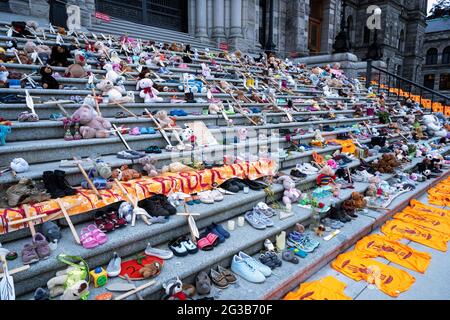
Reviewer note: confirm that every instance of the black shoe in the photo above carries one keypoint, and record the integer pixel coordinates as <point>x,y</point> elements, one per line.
<point>351,214</point>
<point>165,204</point>
<point>63,184</point>
<point>153,207</point>
<point>231,186</point>
<point>255,185</point>
<point>51,184</point>
<point>297,174</point>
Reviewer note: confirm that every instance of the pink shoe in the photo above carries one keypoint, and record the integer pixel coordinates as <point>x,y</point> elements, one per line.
<point>135,131</point>
<point>98,235</point>
<point>87,241</point>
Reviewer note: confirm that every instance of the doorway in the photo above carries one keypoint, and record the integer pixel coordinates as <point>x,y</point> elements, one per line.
<point>58,13</point>
<point>315,26</point>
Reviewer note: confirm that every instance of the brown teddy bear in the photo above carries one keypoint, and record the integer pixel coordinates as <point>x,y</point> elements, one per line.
<point>386,164</point>
<point>358,200</point>
<point>47,79</point>
<point>77,69</point>
<point>150,270</point>
<point>125,174</point>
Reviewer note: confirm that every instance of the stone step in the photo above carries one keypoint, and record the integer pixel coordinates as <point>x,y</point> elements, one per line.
<point>125,242</point>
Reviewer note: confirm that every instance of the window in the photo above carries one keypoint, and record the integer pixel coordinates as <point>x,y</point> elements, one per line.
<point>446,56</point>
<point>444,83</point>
<point>350,29</point>
<point>428,81</point>
<point>366,35</point>
<point>401,41</point>
<point>432,55</point>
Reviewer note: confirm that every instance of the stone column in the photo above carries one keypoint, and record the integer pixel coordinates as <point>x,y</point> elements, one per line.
<point>219,21</point>
<point>236,19</point>
<point>200,25</point>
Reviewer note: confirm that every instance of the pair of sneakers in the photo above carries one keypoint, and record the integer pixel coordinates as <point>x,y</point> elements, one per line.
<point>307,168</point>
<point>258,220</point>
<point>362,176</point>
<point>302,242</point>
<point>249,269</point>
<point>182,247</point>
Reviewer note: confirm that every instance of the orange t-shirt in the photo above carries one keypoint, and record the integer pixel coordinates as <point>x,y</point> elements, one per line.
<point>328,288</point>
<point>421,207</point>
<point>347,145</point>
<point>388,279</point>
<point>425,220</point>
<point>376,245</point>
<point>397,229</point>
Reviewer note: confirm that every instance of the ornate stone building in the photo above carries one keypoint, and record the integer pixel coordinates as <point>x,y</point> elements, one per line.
<point>299,27</point>
<point>436,64</point>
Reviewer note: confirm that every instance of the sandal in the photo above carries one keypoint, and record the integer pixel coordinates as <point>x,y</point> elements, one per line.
<point>101,237</point>
<point>204,244</point>
<point>115,220</point>
<point>87,240</point>
<point>102,224</point>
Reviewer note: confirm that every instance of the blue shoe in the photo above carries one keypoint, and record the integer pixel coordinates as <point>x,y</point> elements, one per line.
<point>143,130</point>
<point>240,267</point>
<point>299,244</point>
<point>221,230</point>
<point>150,130</point>
<point>298,252</point>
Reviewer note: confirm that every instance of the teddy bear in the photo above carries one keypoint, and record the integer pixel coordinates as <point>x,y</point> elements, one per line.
<point>214,108</point>
<point>91,124</point>
<point>24,58</point>
<point>164,120</point>
<point>125,174</point>
<point>47,79</point>
<point>291,194</point>
<point>148,164</point>
<point>78,68</point>
<point>148,93</point>
<point>59,56</point>
<point>115,93</point>
<point>386,164</point>
<point>434,126</point>
<point>150,270</point>
<point>188,138</point>
<point>358,200</point>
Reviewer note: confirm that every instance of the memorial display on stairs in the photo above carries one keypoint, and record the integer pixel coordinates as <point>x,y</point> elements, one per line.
<point>131,169</point>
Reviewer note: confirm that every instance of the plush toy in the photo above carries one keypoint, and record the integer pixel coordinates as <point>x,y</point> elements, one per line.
<point>24,58</point>
<point>174,290</point>
<point>386,164</point>
<point>92,125</point>
<point>434,126</point>
<point>57,285</point>
<point>125,174</point>
<point>213,108</point>
<point>115,93</point>
<point>47,79</point>
<point>188,138</point>
<point>77,69</point>
<point>111,74</point>
<point>164,120</point>
<point>326,176</point>
<point>148,164</point>
<point>291,193</point>
<point>4,73</point>
<point>148,93</point>
<point>175,167</point>
<point>318,140</point>
<point>59,56</point>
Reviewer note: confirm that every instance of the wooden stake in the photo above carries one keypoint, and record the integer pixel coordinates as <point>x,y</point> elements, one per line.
<point>131,292</point>
<point>138,295</point>
<point>26,209</point>
<point>28,219</point>
<point>69,222</point>
<point>16,270</point>
<point>96,102</point>
<point>89,181</point>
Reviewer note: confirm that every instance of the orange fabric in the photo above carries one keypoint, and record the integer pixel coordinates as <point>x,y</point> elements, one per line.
<point>376,245</point>
<point>397,229</point>
<point>388,279</point>
<point>421,207</point>
<point>328,288</point>
<point>347,145</point>
<point>187,182</point>
<point>424,220</point>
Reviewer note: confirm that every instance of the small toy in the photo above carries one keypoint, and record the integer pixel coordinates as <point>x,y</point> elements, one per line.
<point>99,277</point>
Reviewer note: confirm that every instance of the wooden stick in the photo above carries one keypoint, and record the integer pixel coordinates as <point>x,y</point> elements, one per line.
<point>96,102</point>
<point>16,270</point>
<point>158,126</point>
<point>28,219</point>
<point>120,136</point>
<point>26,209</point>
<point>131,292</point>
<point>124,191</point>
<point>89,181</point>
<point>138,295</point>
<point>69,222</point>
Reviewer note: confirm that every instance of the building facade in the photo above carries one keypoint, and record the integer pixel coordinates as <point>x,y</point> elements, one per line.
<point>298,27</point>
<point>436,63</point>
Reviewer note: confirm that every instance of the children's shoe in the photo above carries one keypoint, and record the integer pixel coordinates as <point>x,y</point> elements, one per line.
<point>29,254</point>
<point>143,130</point>
<point>135,131</point>
<point>41,245</point>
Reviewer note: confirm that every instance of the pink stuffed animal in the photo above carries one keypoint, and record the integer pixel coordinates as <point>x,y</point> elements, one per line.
<point>92,125</point>
<point>291,193</point>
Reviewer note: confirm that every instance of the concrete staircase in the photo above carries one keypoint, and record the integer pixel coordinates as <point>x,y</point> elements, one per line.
<point>42,145</point>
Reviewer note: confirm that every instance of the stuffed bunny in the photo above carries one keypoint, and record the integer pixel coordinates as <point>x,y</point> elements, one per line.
<point>291,193</point>
<point>148,93</point>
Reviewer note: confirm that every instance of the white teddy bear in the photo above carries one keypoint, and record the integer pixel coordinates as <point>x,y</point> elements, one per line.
<point>434,126</point>
<point>148,93</point>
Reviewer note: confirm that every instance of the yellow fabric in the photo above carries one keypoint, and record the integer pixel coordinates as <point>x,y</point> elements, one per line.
<point>397,229</point>
<point>388,279</point>
<point>328,288</point>
<point>347,145</point>
<point>187,182</point>
<point>376,245</point>
<point>418,206</point>
<point>424,220</point>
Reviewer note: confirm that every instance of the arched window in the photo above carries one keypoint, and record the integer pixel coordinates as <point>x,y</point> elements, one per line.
<point>432,56</point>
<point>446,56</point>
<point>401,41</point>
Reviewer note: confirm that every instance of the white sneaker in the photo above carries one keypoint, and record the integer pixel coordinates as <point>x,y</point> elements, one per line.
<point>362,176</point>
<point>159,253</point>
